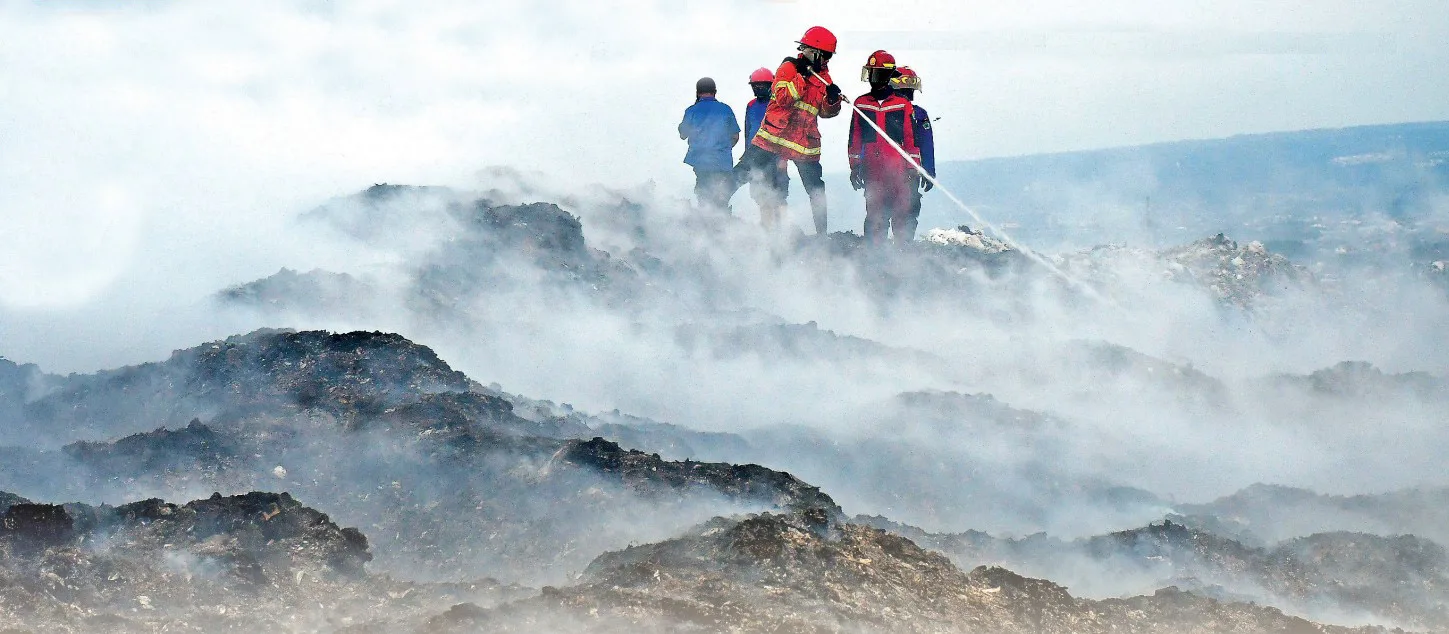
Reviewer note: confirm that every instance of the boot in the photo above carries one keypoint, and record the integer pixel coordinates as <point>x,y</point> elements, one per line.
<point>817,209</point>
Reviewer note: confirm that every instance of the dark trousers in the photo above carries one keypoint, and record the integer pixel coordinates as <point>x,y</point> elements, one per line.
<point>762,168</point>
<point>713,188</point>
<point>765,174</point>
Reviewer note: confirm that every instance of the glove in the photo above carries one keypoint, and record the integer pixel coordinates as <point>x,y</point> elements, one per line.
<point>832,93</point>
<point>857,178</point>
<point>926,186</point>
<point>802,65</point>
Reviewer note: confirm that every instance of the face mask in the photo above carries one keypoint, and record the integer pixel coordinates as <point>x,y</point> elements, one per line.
<point>817,58</point>
<point>762,90</point>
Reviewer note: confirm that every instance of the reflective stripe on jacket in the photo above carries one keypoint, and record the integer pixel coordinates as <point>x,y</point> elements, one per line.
<point>896,116</point>
<point>791,129</point>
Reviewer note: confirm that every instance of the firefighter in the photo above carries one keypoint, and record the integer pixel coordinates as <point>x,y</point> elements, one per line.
<point>888,179</point>
<point>768,188</point>
<point>802,93</point>
<point>760,83</point>
<point>907,85</point>
<point>712,131</point>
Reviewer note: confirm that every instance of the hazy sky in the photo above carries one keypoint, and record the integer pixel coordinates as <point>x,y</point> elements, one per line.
<point>193,120</point>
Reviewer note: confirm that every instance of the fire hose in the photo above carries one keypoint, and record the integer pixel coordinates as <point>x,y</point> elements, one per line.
<point>936,184</point>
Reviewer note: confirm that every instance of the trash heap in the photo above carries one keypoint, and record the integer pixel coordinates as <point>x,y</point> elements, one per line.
<point>1402,578</point>
<point>801,574</point>
<point>1236,275</point>
<point>1437,273</point>
<point>315,290</point>
<point>253,560</point>
<point>455,480</point>
<point>964,236</point>
<point>379,429</point>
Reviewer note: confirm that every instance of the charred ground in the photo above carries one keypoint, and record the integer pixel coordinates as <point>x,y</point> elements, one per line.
<point>384,433</point>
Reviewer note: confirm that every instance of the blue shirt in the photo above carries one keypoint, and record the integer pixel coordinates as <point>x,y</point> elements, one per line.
<point>925,140</point>
<point>708,126</point>
<point>754,114</point>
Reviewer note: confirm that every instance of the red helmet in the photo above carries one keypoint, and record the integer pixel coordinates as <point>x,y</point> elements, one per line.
<point>819,37</point>
<point>881,67</point>
<point>907,80</point>
<point>762,75</point>
<point>881,59</point>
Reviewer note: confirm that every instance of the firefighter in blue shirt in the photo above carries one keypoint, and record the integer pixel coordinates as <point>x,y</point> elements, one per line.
<point>769,199</point>
<point>712,131</point>
<point>907,84</point>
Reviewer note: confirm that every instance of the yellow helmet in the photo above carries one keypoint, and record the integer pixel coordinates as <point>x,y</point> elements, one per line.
<point>906,80</point>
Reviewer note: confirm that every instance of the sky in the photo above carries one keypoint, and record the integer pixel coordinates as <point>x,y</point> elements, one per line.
<point>147,138</point>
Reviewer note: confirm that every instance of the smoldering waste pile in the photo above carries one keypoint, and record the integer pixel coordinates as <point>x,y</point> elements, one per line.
<point>356,482</point>
<point>496,247</point>
<point>266,560</point>
<point>799,574</point>
<point>1237,275</point>
<point>257,561</point>
<point>425,458</point>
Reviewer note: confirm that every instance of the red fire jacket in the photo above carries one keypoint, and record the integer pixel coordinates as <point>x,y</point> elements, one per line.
<point>896,116</point>
<point>791,129</point>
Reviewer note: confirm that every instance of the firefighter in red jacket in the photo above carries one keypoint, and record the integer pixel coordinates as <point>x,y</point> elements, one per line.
<point>790,133</point>
<point>889,180</point>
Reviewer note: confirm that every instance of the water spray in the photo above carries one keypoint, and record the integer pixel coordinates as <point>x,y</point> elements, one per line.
<point>1033,255</point>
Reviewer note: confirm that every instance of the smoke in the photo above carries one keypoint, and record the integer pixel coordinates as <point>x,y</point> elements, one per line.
<point>710,346</point>
<point>166,123</point>
<point>168,152</point>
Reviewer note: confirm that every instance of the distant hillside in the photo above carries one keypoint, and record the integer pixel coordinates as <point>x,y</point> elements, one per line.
<point>1265,186</point>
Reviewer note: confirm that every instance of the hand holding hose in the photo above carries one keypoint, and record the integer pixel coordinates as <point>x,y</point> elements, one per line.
<point>832,93</point>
